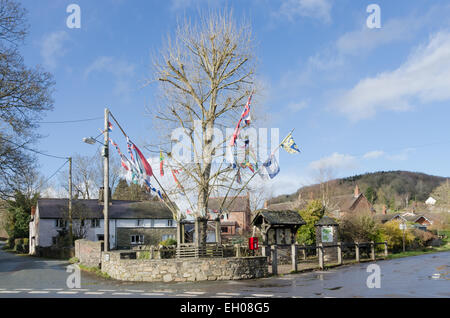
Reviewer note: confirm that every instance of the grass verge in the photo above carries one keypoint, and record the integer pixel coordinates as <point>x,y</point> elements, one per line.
<point>94,270</point>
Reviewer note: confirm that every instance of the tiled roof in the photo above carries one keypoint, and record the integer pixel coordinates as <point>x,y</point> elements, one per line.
<point>325,220</point>
<point>286,217</point>
<point>119,209</point>
<point>240,204</point>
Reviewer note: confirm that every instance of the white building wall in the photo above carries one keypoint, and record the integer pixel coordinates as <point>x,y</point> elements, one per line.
<point>46,228</point>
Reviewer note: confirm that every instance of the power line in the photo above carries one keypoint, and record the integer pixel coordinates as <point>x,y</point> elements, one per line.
<point>48,179</point>
<point>32,150</point>
<point>68,121</point>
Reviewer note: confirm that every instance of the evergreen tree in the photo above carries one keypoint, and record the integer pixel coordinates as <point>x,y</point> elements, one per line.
<point>313,213</point>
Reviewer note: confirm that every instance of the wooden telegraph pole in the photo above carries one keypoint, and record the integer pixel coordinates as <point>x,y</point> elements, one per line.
<point>106,181</point>
<point>70,203</point>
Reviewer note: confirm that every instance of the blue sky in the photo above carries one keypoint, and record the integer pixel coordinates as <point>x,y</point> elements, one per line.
<point>360,99</point>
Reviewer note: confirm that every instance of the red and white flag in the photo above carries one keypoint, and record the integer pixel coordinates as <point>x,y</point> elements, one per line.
<point>246,115</point>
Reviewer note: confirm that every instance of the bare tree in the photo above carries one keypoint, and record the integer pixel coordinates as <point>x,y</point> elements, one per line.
<point>25,94</point>
<point>325,177</point>
<point>87,175</point>
<point>206,75</point>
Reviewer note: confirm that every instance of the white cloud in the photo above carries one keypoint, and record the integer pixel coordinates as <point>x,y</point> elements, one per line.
<point>423,78</point>
<point>373,154</point>
<point>122,71</point>
<point>365,39</point>
<point>336,161</point>
<point>317,9</point>
<point>53,47</point>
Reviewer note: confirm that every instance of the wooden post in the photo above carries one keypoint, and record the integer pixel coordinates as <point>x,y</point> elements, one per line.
<point>320,252</point>
<point>294,257</point>
<point>152,252</point>
<point>357,251</point>
<point>264,250</point>
<point>274,257</point>
<point>237,247</point>
<point>339,253</point>
<point>183,234</point>
<point>218,231</point>
<point>385,248</point>
<point>372,250</point>
<point>304,252</point>
<point>179,235</point>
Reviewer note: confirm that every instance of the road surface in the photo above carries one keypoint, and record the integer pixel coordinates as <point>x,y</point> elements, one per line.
<point>417,276</point>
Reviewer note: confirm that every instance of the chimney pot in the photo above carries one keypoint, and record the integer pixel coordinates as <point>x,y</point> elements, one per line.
<point>266,204</point>
<point>357,191</point>
<point>101,195</point>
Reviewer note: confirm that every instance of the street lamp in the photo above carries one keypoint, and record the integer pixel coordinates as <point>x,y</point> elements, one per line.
<point>105,154</point>
<point>90,140</point>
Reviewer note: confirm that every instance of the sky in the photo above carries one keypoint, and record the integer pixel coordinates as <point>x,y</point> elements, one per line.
<point>360,99</point>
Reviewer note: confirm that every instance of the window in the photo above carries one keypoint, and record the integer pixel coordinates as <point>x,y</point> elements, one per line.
<point>60,223</point>
<point>167,236</point>
<point>224,229</point>
<point>95,223</point>
<point>137,239</point>
<point>169,223</point>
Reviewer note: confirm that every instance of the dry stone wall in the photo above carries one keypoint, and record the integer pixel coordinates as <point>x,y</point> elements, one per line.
<point>183,270</point>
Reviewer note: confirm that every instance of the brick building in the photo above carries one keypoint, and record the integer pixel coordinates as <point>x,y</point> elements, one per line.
<point>235,221</point>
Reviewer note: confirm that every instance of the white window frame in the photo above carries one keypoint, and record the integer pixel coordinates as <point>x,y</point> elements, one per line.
<point>139,239</point>
<point>95,223</point>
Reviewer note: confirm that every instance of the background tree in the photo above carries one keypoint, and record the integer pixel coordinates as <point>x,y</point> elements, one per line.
<point>371,195</point>
<point>358,228</point>
<point>205,75</point>
<point>133,192</point>
<point>311,214</point>
<point>25,95</point>
<point>87,175</point>
<point>19,212</point>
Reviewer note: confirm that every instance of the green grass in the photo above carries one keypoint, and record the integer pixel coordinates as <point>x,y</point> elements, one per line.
<point>444,248</point>
<point>95,270</point>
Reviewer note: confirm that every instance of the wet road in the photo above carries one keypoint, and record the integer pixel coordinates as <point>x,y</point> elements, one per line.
<point>417,276</point>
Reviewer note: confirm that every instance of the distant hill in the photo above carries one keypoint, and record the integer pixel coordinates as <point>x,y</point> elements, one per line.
<point>395,189</point>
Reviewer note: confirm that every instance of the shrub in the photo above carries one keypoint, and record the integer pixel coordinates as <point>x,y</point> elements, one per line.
<point>168,242</point>
<point>422,238</point>
<point>359,228</point>
<point>394,236</point>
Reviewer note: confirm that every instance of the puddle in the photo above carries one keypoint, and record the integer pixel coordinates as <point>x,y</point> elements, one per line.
<point>335,288</point>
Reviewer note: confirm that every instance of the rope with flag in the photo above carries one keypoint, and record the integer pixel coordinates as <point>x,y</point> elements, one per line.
<point>246,114</point>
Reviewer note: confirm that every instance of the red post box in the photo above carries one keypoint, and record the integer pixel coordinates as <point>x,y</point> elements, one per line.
<point>253,243</point>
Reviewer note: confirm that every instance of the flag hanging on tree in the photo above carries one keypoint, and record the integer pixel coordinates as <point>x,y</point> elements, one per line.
<point>289,144</point>
<point>246,115</point>
<point>271,167</point>
<point>161,164</point>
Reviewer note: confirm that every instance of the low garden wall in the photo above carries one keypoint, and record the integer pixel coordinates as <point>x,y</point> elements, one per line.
<point>183,269</point>
<point>89,253</point>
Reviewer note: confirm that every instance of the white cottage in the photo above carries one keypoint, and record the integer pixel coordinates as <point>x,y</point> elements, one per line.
<point>130,222</point>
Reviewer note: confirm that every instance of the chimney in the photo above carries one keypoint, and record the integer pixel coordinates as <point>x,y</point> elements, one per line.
<point>101,195</point>
<point>33,210</point>
<point>266,204</point>
<point>357,193</point>
<point>384,210</point>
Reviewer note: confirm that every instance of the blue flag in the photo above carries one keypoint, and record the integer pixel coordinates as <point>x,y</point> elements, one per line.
<point>271,167</point>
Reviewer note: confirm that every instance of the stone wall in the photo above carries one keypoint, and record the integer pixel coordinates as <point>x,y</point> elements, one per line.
<point>183,270</point>
<point>89,253</point>
<point>152,236</point>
